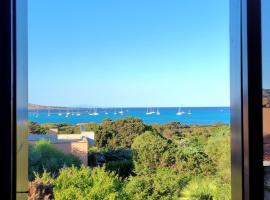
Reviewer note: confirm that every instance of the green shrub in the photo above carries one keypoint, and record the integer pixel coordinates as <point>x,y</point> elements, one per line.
<point>118,154</point>
<point>171,130</point>
<point>36,128</point>
<point>194,161</point>
<point>152,151</point>
<point>118,133</point>
<point>63,128</point>
<point>43,156</point>
<point>200,189</point>
<point>139,187</point>
<point>69,129</point>
<point>168,184</point>
<point>87,184</point>
<point>161,185</point>
<point>115,160</point>
<point>123,168</point>
<point>219,150</point>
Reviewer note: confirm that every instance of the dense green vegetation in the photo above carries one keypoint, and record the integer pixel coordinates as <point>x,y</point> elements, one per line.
<point>63,128</point>
<point>118,133</point>
<point>133,160</point>
<point>43,156</point>
<point>115,160</point>
<point>36,128</point>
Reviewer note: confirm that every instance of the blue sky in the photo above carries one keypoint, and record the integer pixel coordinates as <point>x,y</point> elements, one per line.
<point>129,52</point>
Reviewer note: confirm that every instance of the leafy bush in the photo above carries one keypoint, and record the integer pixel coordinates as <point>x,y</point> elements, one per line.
<point>170,130</point>
<point>219,150</point>
<point>118,133</point>
<point>104,134</point>
<point>206,188</point>
<point>86,184</point>
<point>63,128</point>
<point>118,154</point>
<point>122,168</point>
<point>43,156</point>
<point>128,129</point>
<point>161,185</point>
<point>139,187</point>
<point>200,189</point>
<point>69,129</point>
<point>36,128</point>
<point>194,161</point>
<point>115,160</point>
<point>151,151</point>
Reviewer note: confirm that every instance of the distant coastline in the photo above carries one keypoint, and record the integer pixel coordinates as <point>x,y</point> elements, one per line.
<point>32,106</point>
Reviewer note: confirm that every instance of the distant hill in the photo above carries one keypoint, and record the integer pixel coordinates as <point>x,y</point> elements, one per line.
<point>42,107</point>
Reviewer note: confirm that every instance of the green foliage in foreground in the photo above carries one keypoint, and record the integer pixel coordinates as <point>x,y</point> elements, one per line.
<point>85,183</point>
<point>89,184</point>
<point>206,188</point>
<point>43,156</point>
<point>200,188</point>
<point>163,184</point>
<point>166,162</point>
<point>118,160</point>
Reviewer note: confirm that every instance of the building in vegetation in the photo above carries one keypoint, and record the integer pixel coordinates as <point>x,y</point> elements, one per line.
<point>76,144</point>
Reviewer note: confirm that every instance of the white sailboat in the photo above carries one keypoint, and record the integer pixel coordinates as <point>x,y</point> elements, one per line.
<point>179,112</point>
<point>115,113</point>
<point>95,113</point>
<point>189,112</point>
<point>36,113</point>
<point>67,113</point>
<point>158,113</point>
<point>89,111</point>
<point>59,113</point>
<point>147,112</point>
<point>121,112</point>
<point>78,112</point>
<point>49,113</point>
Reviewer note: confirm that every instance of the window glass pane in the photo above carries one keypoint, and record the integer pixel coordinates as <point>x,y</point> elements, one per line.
<point>139,88</point>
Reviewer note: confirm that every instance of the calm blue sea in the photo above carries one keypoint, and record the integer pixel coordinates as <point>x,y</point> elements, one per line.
<point>191,115</point>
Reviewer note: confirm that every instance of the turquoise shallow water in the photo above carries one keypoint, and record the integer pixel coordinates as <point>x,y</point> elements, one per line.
<point>192,115</point>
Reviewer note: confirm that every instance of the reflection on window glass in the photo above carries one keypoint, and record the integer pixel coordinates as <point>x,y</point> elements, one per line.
<point>266,92</point>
